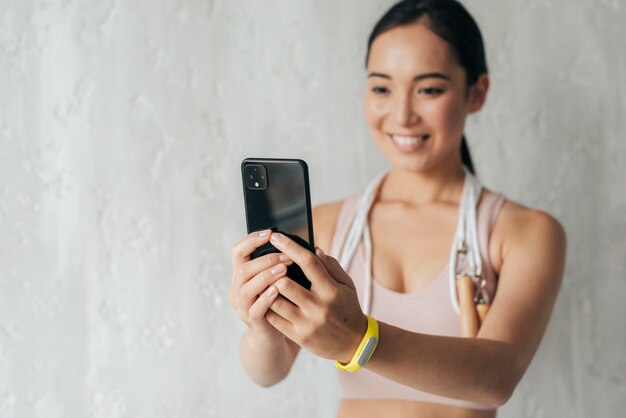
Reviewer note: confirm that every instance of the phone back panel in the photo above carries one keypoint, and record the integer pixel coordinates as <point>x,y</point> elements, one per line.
<point>283,204</point>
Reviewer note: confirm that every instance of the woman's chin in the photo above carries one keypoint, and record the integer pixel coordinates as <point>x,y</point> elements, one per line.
<point>409,164</point>
<point>418,162</point>
<point>403,160</point>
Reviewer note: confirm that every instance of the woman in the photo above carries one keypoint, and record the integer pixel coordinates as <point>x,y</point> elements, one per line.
<point>426,72</point>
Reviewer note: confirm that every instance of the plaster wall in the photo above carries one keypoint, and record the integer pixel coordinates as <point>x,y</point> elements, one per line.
<point>122,126</point>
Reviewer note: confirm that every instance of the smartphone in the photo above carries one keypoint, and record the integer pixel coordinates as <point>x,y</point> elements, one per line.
<point>277,196</point>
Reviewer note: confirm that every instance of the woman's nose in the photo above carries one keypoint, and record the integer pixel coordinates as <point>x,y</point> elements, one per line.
<point>404,112</point>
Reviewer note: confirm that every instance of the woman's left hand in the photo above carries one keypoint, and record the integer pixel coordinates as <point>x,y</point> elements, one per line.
<point>326,320</point>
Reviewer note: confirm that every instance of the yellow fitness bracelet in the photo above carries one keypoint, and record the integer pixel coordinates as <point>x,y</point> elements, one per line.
<point>365,350</point>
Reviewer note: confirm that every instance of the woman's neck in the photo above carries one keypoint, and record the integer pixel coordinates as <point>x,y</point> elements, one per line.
<point>417,188</point>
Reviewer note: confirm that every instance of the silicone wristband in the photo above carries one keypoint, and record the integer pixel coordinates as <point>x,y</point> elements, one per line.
<point>365,350</point>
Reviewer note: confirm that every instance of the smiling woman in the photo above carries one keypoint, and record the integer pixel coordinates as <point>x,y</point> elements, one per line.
<point>418,90</point>
<point>422,251</point>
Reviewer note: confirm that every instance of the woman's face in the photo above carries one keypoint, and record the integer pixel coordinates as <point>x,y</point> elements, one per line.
<point>417,99</point>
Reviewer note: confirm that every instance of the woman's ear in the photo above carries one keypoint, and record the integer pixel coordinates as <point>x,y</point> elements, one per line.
<point>478,93</point>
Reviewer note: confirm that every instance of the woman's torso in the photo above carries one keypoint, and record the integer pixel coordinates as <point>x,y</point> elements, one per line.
<point>380,408</point>
<point>415,240</point>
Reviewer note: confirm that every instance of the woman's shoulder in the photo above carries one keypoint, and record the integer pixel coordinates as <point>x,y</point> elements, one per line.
<point>326,217</point>
<point>519,226</point>
<point>516,217</point>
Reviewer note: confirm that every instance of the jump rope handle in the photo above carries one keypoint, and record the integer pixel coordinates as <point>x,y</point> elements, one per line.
<point>469,318</point>
<point>482,309</point>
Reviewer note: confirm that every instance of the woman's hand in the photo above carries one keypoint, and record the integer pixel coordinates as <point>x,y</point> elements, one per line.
<point>327,320</point>
<point>251,281</point>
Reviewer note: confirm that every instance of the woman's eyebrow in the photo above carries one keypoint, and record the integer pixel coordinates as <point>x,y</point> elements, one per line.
<point>416,78</point>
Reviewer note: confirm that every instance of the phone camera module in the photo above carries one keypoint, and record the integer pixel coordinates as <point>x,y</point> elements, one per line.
<point>256,177</point>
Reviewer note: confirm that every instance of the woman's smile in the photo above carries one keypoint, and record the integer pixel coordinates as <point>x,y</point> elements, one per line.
<point>409,143</point>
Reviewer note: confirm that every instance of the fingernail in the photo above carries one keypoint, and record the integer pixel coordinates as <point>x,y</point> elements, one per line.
<point>319,250</point>
<point>277,237</point>
<point>284,258</point>
<point>263,234</point>
<point>277,269</point>
<point>271,291</point>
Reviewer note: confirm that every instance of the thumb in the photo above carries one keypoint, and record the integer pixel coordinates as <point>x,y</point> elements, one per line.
<point>334,269</point>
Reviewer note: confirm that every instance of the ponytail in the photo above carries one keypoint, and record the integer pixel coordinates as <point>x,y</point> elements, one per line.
<point>466,158</point>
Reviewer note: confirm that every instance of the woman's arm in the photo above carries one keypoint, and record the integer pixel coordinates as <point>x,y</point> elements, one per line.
<point>269,361</point>
<point>482,369</point>
<point>487,368</point>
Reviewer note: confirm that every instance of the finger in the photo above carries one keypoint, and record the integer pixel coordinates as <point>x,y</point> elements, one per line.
<point>334,269</point>
<point>309,263</point>
<point>252,268</point>
<point>286,309</point>
<point>259,308</point>
<point>260,282</point>
<point>281,324</point>
<point>295,293</point>
<point>243,249</point>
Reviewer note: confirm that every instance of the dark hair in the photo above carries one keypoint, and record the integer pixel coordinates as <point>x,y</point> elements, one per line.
<point>449,20</point>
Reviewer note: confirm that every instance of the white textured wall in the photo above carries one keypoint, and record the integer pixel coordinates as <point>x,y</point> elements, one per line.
<point>122,126</point>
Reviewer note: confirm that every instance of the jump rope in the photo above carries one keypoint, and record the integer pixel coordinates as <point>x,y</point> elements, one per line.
<point>467,277</point>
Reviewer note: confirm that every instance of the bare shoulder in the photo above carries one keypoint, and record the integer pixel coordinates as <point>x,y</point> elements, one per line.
<point>518,227</point>
<point>522,223</point>
<point>324,222</point>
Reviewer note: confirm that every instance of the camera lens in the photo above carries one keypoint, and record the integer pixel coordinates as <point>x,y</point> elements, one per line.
<point>256,177</point>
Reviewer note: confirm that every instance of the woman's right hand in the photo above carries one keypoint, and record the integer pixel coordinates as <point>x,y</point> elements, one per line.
<point>251,281</point>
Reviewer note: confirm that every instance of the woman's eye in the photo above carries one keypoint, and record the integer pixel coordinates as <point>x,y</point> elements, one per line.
<point>380,90</point>
<point>430,91</point>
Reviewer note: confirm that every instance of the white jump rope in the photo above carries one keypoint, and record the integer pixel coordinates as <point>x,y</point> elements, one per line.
<point>464,255</point>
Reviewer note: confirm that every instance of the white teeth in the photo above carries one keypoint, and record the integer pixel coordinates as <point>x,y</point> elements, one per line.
<point>408,140</point>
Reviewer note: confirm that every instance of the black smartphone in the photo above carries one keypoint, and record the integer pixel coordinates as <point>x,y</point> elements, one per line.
<point>277,197</point>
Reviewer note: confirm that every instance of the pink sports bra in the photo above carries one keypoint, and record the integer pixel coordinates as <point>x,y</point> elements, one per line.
<point>411,311</point>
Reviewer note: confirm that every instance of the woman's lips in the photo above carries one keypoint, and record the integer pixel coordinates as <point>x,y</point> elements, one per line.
<point>409,143</point>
